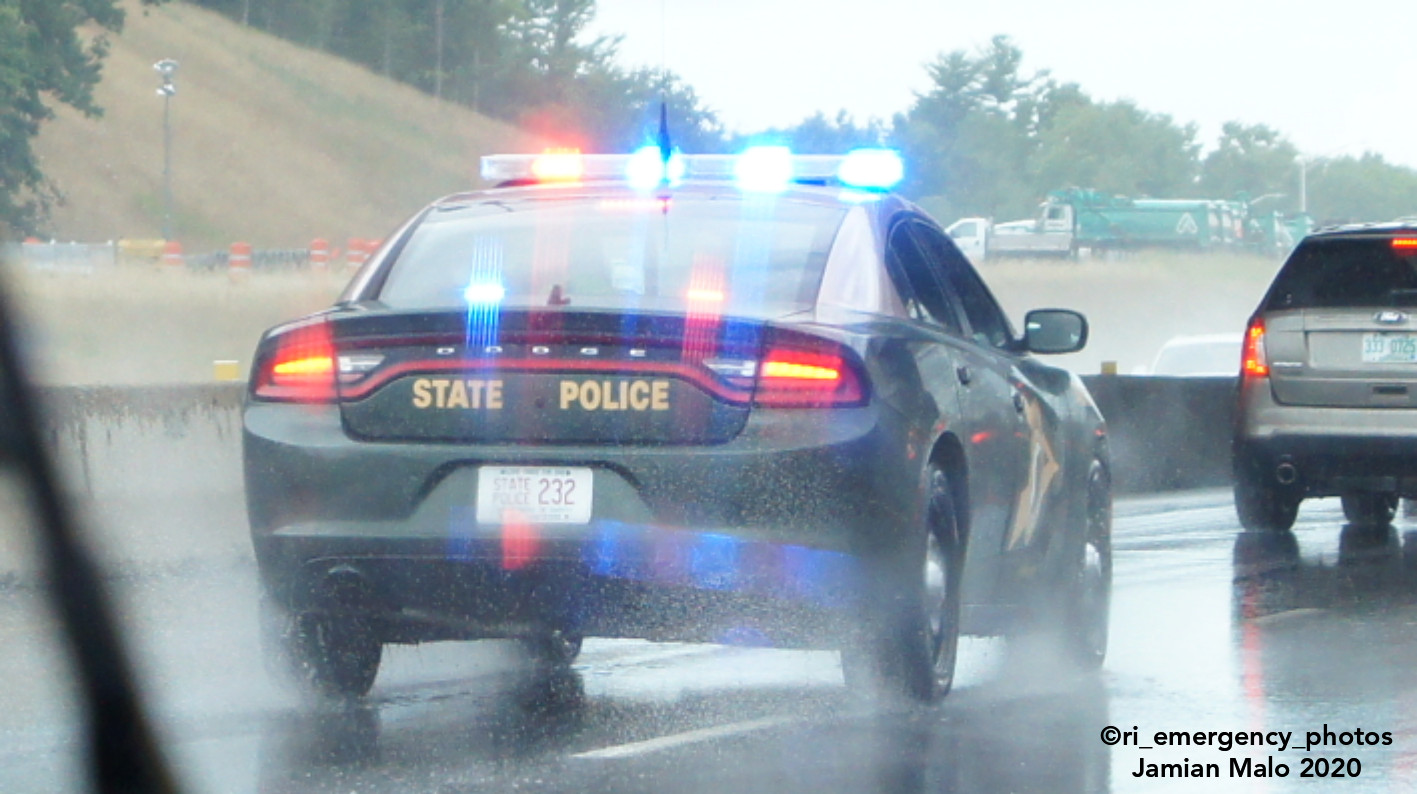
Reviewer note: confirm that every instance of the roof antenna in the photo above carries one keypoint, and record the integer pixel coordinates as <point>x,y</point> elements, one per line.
<point>666,148</point>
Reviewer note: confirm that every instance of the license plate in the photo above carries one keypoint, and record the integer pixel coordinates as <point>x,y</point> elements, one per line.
<point>1389,349</point>
<point>534,494</point>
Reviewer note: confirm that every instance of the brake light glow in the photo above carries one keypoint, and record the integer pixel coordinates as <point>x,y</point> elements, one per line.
<point>1254,363</point>
<point>301,368</point>
<point>1405,244</point>
<point>310,365</point>
<point>799,378</point>
<point>702,295</point>
<point>795,371</point>
<point>558,165</point>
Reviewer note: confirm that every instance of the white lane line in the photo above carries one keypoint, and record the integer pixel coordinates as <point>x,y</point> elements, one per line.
<point>687,737</point>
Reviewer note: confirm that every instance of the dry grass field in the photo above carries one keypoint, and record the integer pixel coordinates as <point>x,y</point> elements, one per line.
<point>143,326</point>
<point>273,144</point>
<point>1135,304</point>
<point>138,325</point>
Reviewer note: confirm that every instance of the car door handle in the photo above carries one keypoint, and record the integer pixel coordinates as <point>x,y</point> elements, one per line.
<point>964,375</point>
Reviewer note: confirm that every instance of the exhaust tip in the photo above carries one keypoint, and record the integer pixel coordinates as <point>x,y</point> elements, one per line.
<point>1285,473</point>
<point>344,586</point>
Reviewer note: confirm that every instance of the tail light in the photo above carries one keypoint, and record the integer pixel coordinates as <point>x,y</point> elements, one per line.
<point>797,371</point>
<point>1254,363</point>
<point>301,367</point>
<point>810,375</point>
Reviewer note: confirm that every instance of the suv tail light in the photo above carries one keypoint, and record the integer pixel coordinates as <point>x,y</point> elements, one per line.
<point>301,366</point>
<point>1254,363</point>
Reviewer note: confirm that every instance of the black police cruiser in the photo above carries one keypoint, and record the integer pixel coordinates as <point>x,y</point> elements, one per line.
<point>754,399</point>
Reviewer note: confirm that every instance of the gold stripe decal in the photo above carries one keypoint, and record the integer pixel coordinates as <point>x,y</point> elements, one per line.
<point>575,395</point>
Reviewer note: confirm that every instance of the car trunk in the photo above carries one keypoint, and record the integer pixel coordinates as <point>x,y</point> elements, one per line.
<point>1343,357</point>
<point>546,377</point>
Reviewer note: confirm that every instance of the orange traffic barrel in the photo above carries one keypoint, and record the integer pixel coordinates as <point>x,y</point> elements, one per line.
<point>172,255</point>
<point>320,255</point>
<point>238,261</point>
<point>354,254</point>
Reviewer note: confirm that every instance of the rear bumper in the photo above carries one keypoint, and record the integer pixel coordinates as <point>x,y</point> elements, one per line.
<point>1332,449</point>
<point>616,581</point>
<point>764,533</point>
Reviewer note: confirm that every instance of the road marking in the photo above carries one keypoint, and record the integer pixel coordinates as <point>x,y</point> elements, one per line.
<point>687,737</point>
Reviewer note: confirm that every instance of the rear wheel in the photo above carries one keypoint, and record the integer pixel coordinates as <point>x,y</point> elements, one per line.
<point>1368,508</point>
<point>332,654</point>
<point>557,649</point>
<point>1089,599</point>
<point>912,638</point>
<point>1262,504</point>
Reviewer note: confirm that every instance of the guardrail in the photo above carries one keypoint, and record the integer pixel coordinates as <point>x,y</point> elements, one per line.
<point>159,467</point>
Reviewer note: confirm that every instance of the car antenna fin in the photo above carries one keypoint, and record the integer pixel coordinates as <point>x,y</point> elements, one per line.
<point>666,147</point>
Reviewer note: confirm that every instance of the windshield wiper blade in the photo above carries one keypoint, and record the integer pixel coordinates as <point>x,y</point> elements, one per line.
<point>123,752</point>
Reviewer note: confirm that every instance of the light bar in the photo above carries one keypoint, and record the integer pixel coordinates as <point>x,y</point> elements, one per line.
<point>1405,244</point>
<point>871,169</point>
<point>558,166</point>
<point>764,169</point>
<point>758,168</point>
<point>647,169</point>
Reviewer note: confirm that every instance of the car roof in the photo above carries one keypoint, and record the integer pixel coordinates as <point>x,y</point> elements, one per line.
<point>1384,229</point>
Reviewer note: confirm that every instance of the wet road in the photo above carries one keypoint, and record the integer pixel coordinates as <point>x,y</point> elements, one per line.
<point>1210,633</point>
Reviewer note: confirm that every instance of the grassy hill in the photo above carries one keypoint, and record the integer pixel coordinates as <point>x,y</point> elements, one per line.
<point>273,144</point>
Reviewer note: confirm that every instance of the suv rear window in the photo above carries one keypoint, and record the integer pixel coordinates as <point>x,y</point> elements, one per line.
<point>1339,272</point>
<point>756,257</point>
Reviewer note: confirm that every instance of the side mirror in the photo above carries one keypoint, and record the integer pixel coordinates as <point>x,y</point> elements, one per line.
<point>1054,331</point>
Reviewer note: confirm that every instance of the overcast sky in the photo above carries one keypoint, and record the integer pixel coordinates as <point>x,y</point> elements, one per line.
<point>1337,78</point>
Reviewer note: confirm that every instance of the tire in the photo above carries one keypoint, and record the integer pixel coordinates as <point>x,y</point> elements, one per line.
<point>330,654</point>
<point>1369,509</point>
<point>911,640</point>
<point>556,649</point>
<point>1261,504</point>
<point>1089,588</point>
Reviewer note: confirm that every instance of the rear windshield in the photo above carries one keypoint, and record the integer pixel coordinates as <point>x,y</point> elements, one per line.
<point>1346,272</point>
<point>754,257</point>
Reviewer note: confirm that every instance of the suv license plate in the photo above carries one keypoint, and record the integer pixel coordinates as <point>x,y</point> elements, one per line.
<point>534,494</point>
<point>1389,349</point>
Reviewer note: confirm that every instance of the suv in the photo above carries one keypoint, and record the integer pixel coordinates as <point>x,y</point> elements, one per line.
<point>1328,382</point>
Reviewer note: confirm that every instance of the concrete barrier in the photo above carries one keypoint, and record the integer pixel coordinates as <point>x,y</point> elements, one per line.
<point>1167,433</point>
<point>157,470</point>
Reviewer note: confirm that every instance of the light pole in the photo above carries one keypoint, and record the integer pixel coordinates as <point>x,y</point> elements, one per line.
<point>168,69</point>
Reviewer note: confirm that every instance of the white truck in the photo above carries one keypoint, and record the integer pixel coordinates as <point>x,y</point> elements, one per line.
<point>980,239</point>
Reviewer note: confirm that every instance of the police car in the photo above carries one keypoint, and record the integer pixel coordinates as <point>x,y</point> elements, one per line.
<point>743,399</point>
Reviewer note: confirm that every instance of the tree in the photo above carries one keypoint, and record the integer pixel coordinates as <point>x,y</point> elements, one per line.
<point>1361,189</point>
<point>1117,147</point>
<point>1252,159</point>
<point>970,140</point>
<point>818,134</point>
<point>44,58</point>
